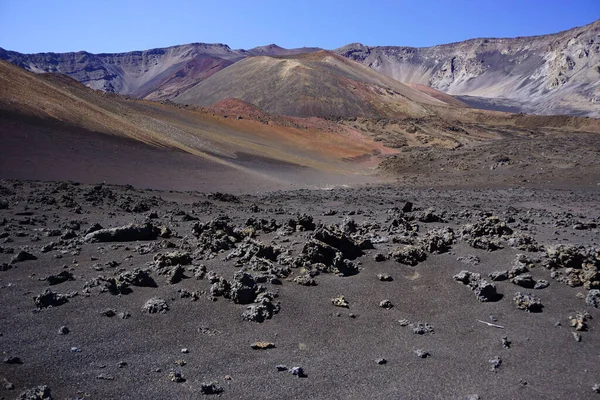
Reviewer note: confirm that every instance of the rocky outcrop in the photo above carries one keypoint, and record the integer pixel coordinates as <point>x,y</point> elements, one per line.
<point>550,74</point>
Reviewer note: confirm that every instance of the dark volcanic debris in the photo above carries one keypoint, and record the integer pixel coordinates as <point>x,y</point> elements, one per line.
<point>327,287</point>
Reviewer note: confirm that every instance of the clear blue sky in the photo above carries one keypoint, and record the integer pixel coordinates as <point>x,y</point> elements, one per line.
<point>125,25</point>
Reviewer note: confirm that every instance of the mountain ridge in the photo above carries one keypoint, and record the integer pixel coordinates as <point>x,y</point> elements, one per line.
<point>556,73</point>
<point>545,74</point>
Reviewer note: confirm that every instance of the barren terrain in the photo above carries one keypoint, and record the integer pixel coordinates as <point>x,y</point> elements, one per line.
<point>415,249</point>
<point>226,272</point>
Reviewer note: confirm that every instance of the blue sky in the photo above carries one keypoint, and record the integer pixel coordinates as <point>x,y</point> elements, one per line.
<point>121,25</point>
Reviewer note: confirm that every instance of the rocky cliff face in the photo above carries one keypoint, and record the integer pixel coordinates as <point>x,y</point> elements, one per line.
<point>558,73</point>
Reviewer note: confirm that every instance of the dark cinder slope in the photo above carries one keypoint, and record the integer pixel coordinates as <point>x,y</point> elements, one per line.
<point>549,74</point>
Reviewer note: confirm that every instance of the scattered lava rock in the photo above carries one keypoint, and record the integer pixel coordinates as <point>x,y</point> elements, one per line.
<point>128,233</point>
<point>422,353</point>
<point>528,302</point>
<point>137,277</point>
<point>37,393</point>
<point>593,298</point>
<point>484,290</point>
<point>438,240</point>
<point>263,308</point>
<point>173,258</point>
<point>210,388</point>
<point>340,301</point>
<point>48,298</point>
<point>61,277</point>
<point>155,305</point>
<point>12,360</point>
<point>298,371</point>
<point>495,363</point>
<point>386,304</point>
<point>176,376</point>
<point>409,255</point>
<point>422,328</point>
<point>262,345</point>
<point>22,256</point>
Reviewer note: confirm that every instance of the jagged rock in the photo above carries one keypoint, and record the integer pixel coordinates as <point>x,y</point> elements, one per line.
<point>265,225</point>
<point>220,287</point>
<point>7,384</point>
<point>340,301</point>
<point>386,304</point>
<point>564,256</point>
<point>340,241</point>
<point>527,302</point>
<point>22,256</point>
<point>48,298</point>
<point>407,207</point>
<point>429,215</point>
<point>127,233</point>
<point>224,197</point>
<point>38,393</point>
<point>61,277</point>
<point>263,309</point>
<point>175,274</point>
<point>262,345</point>
<point>318,252</point>
<point>176,376</point>
<point>303,222</point>
<point>484,243</point>
<point>244,289</point>
<point>574,266</point>
<point>379,257</point>
<point>484,290</point>
<point>579,321</point>
<point>217,234</point>
<point>115,286</point>
<point>155,305</point>
<point>137,277</point>
<point>495,362</point>
<point>109,313</point>
<point>489,227</point>
<point>593,298</point>
<point>422,328</point>
<point>210,388</point>
<point>250,249</point>
<point>12,360</point>
<point>409,255</point>
<point>521,265</point>
<point>93,228</point>
<point>437,240</point>
<point>305,280</point>
<point>524,242</point>
<point>63,330</point>
<point>422,353</point>
<point>525,280</point>
<point>541,284</point>
<point>173,258</point>
<point>384,277</point>
<point>298,371</point>
<point>499,276</point>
